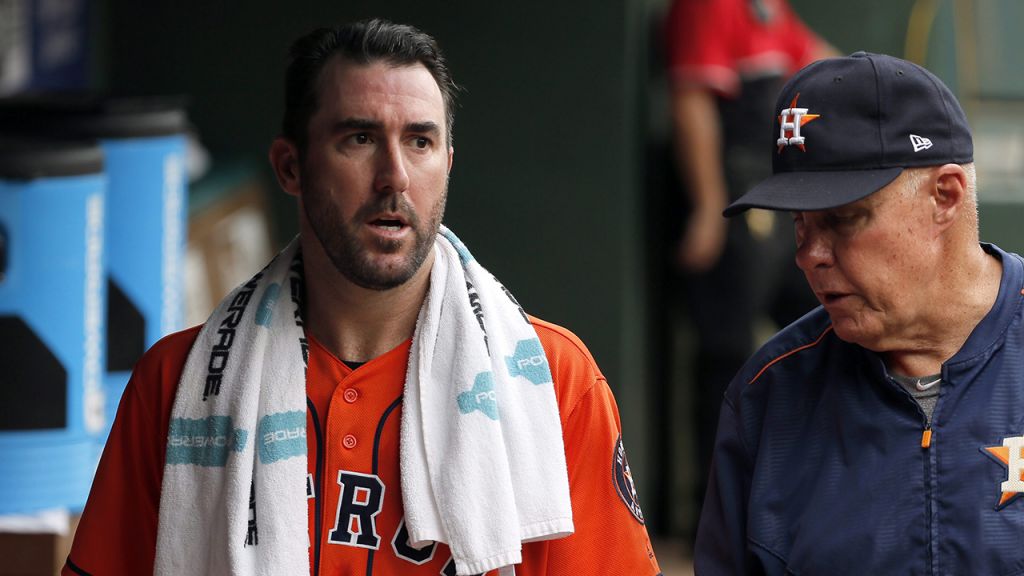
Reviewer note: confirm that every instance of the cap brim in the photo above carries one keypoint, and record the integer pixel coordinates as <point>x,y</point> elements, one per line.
<point>800,191</point>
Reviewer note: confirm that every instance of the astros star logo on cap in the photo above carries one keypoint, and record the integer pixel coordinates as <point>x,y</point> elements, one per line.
<point>1011,456</point>
<point>790,121</point>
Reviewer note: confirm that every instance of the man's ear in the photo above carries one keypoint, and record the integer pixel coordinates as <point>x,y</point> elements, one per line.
<point>949,193</point>
<point>284,159</point>
<point>451,157</point>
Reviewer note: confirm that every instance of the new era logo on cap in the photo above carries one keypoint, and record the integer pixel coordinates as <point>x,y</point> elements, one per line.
<point>920,142</point>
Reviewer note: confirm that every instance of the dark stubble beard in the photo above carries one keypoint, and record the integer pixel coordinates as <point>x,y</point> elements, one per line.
<point>347,251</point>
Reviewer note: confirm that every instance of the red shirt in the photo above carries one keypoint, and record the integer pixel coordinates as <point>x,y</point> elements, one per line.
<point>352,427</point>
<point>720,43</point>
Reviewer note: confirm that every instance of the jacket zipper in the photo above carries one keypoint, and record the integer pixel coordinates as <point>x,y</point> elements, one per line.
<point>926,444</point>
<point>929,474</point>
<point>931,462</point>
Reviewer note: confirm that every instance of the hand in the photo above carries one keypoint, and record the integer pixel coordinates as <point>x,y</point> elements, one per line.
<point>702,241</point>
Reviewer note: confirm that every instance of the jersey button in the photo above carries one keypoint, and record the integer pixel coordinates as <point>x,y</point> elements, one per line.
<point>351,395</point>
<point>349,441</point>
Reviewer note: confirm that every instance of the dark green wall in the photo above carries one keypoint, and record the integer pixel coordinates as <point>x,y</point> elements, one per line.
<point>872,25</point>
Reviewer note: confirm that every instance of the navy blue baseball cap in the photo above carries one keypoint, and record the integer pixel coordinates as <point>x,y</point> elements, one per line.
<point>847,127</point>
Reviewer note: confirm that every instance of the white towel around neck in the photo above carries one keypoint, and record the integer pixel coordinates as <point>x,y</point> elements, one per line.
<point>483,462</point>
<point>482,458</point>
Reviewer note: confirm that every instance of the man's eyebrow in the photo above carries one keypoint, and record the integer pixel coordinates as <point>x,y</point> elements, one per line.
<point>365,124</point>
<point>427,127</point>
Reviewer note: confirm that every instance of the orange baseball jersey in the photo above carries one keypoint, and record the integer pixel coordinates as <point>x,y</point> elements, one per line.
<point>355,502</point>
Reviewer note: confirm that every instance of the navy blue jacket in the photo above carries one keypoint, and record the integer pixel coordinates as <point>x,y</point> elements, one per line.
<point>820,466</point>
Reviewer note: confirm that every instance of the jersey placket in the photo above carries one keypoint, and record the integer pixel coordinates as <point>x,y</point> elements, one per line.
<point>355,483</point>
<point>346,459</point>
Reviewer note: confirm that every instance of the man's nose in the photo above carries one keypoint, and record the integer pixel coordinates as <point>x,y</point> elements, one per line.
<point>814,250</point>
<point>391,175</point>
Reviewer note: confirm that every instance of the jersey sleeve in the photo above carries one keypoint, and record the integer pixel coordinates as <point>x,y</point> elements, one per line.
<point>721,546</point>
<point>117,530</point>
<point>610,536</point>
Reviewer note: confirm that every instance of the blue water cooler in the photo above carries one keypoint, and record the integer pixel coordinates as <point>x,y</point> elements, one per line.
<point>143,142</point>
<point>52,320</point>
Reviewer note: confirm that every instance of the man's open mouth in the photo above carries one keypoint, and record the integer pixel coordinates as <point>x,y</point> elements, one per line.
<point>388,224</point>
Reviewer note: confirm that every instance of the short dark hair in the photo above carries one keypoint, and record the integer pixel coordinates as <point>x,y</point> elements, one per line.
<point>361,42</point>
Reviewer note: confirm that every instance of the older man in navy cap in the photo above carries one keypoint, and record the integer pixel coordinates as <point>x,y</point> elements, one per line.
<point>882,433</point>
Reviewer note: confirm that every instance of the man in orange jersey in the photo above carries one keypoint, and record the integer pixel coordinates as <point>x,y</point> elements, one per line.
<point>373,401</point>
